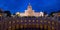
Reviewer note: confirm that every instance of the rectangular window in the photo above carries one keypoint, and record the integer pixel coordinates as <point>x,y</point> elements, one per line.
<point>59,18</point>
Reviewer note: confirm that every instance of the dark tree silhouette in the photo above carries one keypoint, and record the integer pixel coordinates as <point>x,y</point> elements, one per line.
<point>45,13</point>
<point>52,13</point>
<point>13,13</point>
<point>8,13</point>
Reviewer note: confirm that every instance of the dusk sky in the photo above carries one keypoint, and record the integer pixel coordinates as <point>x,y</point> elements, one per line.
<point>38,5</point>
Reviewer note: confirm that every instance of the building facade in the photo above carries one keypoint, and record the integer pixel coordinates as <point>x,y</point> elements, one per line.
<point>29,22</point>
<point>30,12</point>
<point>13,23</point>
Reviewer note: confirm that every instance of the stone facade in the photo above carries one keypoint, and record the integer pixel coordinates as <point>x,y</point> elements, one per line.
<point>30,12</point>
<point>10,23</point>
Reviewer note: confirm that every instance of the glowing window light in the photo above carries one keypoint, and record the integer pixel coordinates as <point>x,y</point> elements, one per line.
<point>36,20</point>
<point>45,21</point>
<point>29,20</point>
<point>53,23</point>
<point>9,22</point>
<point>52,28</point>
<point>41,26</point>
<point>0,14</point>
<point>41,21</point>
<point>25,20</point>
<point>49,22</point>
<point>13,21</point>
<point>33,20</point>
<point>9,26</point>
<point>21,26</point>
<point>21,20</point>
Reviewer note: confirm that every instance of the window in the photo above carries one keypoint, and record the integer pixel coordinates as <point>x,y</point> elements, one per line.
<point>59,18</point>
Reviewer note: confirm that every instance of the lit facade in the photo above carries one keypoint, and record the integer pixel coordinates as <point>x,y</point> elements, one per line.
<point>30,12</point>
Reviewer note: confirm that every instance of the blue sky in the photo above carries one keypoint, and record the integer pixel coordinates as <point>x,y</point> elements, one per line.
<point>38,5</point>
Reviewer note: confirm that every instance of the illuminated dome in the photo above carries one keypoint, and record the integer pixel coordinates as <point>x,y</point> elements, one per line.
<point>41,14</point>
<point>18,13</point>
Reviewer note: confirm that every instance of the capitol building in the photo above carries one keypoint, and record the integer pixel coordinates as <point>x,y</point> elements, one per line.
<point>30,20</point>
<point>30,12</point>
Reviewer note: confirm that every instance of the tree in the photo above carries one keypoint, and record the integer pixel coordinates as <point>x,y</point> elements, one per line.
<point>45,13</point>
<point>52,13</point>
<point>8,13</point>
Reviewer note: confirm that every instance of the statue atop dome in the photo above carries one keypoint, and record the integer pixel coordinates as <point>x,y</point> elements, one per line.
<point>29,11</point>
<point>29,7</point>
